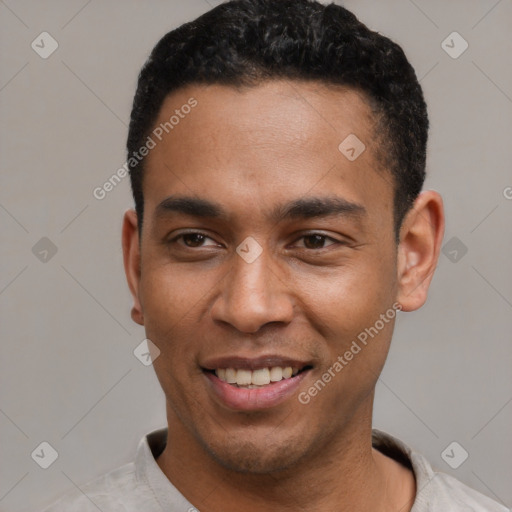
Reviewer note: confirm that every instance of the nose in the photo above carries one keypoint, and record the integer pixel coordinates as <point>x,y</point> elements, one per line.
<point>253,295</point>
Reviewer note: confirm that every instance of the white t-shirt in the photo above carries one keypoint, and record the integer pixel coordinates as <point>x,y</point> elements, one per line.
<point>141,486</point>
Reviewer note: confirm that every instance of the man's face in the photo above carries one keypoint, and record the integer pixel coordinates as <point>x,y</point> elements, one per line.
<point>321,278</point>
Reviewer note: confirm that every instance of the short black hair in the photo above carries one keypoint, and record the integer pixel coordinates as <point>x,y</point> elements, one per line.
<point>245,42</point>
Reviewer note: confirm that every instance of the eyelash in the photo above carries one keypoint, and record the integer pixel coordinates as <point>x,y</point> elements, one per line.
<point>326,237</point>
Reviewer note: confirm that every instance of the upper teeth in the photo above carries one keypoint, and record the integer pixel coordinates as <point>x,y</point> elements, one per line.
<point>260,377</point>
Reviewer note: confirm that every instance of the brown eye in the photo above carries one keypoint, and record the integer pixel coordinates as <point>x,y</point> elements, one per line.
<point>193,239</point>
<point>314,241</point>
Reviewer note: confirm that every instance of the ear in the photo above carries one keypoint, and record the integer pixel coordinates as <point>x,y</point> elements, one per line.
<point>131,258</point>
<point>421,235</point>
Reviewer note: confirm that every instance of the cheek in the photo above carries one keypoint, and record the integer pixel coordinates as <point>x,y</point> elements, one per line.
<point>347,312</point>
<point>174,301</point>
<point>346,308</point>
<point>348,299</point>
<point>172,292</point>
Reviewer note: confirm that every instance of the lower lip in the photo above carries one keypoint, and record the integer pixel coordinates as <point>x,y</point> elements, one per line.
<point>253,399</point>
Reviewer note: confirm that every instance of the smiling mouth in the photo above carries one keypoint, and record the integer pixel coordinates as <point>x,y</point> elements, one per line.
<point>258,378</point>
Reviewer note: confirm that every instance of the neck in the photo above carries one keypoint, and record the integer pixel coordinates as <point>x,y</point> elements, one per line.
<point>346,474</point>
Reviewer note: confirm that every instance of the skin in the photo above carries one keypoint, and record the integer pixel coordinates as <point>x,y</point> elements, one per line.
<point>251,150</point>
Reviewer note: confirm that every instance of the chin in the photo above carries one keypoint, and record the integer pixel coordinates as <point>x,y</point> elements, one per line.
<point>262,458</point>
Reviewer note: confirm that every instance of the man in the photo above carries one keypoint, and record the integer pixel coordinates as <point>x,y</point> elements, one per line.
<point>277,153</point>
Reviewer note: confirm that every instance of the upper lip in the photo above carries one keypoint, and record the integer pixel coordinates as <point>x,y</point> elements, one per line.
<point>253,363</point>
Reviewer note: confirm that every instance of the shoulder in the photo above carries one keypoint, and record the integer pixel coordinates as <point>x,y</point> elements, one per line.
<point>117,490</point>
<point>125,489</point>
<point>435,491</point>
<point>137,486</point>
<point>449,494</point>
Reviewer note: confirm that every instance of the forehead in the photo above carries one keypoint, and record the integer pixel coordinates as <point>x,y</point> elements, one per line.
<point>280,112</point>
<point>265,144</point>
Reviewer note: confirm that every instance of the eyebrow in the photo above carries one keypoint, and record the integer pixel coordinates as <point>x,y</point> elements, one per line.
<point>303,208</point>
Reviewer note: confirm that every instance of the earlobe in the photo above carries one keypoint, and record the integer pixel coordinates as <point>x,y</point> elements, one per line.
<point>132,264</point>
<point>421,236</point>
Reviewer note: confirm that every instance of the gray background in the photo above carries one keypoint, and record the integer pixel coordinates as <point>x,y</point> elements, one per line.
<point>68,374</point>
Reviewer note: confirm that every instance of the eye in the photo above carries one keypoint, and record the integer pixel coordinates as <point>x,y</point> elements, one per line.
<point>194,239</point>
<point>317,241</point>
<point>311,241</point>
